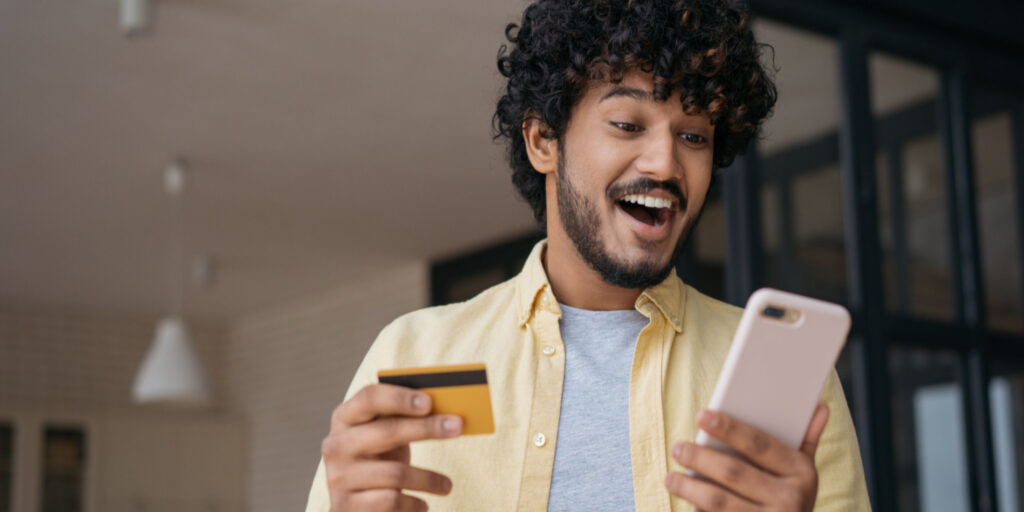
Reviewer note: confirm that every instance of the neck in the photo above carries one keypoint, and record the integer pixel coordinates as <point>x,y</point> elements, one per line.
<point>576,284</point>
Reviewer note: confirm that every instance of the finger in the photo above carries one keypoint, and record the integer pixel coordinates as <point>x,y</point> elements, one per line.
<point>386,499</point>
<point>379,474</point>
<point>704,495</point>
<point>762,449</point>
<point>381,400</point>
<point>386,434</point>
<point>730,472</point>
<point>815,429</point>
<point>400,454</point>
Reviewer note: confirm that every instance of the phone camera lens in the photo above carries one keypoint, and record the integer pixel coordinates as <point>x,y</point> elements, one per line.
<point>774,312</point>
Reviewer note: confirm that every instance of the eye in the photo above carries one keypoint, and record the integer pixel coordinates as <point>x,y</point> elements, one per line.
<point>626,127</point>
<point>694,138</point>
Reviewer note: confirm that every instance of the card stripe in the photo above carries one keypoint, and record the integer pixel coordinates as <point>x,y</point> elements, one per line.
<point>436,380</point>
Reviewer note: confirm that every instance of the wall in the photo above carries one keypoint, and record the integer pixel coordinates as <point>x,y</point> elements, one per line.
<point>84,361</point>
<point>288,367</point>
<point>61,367</point>
<point>276,375</point>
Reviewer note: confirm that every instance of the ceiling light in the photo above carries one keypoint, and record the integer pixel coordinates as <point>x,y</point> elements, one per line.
<point>171,371</point>
<point>135,16</point>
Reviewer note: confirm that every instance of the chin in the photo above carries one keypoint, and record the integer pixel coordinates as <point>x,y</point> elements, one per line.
<point>660,252</point>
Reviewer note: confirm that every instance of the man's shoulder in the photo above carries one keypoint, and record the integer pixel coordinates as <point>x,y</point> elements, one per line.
<point>711,307</point>
<point>442,335</point>
<point>488,307</point>
<point>712,316</point>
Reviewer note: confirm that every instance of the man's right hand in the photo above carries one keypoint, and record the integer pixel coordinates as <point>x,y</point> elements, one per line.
<point>366,455</point>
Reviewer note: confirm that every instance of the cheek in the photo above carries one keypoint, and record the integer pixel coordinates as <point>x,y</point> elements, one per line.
<point>698,181</point>
<point>600,158</point>
<point>597,171</point>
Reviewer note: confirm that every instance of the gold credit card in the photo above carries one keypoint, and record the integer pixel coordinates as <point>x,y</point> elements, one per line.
<point>457,389</point>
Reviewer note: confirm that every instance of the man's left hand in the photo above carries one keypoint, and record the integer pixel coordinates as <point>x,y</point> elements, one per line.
<point>776,478</point>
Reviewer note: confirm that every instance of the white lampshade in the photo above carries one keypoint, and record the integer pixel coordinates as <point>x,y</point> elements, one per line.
<point>171,371</point>
<point>135,16</point>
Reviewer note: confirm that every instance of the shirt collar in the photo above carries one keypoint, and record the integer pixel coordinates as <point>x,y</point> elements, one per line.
<point>533,292</point>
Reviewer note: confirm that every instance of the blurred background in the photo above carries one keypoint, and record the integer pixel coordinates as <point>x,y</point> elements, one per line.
<point>209,208</point>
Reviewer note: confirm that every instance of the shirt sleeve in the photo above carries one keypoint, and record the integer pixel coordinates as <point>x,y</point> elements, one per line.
<point>319,500</point>
<point>841,485</point>
<point>377,357</point>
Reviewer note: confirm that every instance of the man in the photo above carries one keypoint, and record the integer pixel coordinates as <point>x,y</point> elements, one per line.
<point>600,359</point>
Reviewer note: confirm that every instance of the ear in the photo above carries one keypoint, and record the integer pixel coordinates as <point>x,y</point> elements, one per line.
<point>540,148</point>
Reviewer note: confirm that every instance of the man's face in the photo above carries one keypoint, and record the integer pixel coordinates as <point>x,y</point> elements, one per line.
<point>631,180</point>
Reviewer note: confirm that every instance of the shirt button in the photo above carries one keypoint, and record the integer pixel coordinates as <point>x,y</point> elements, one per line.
<point>544,300</point>
<point>548,350</point>
<point>675,319</point>
<point>539,440</point>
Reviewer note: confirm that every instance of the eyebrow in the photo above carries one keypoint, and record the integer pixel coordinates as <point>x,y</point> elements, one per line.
<point>629,92</point>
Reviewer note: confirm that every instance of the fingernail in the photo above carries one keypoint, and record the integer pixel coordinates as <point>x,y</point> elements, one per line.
<point>677,450</point>
<point>672,481</point>
<point>708,418</point>
<point>419,401</point>
<point>685,451</point>
<point>451,425</point>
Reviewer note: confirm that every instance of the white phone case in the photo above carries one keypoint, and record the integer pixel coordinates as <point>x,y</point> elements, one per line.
<point>777,367</point>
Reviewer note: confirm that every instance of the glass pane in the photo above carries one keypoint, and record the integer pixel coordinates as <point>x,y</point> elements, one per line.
<point>914,216</point>
<point>802,200</point>
<point>928,440</point>
<point>998,212</point>
<point>709,251</point>
<point>467,286</point>
<point>63,470</point>
<point>1006,394</point>
<point>6,466</point>
<point>770,234</point>
<point>820,258</point>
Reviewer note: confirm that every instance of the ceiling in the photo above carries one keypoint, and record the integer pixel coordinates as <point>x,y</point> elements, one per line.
<point>326,140</point>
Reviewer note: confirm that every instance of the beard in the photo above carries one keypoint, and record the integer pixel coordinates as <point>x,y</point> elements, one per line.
<point>582,222</point>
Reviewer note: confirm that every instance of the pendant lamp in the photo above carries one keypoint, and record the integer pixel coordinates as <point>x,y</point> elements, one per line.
<point>136,16</point>
<point>171,372</point>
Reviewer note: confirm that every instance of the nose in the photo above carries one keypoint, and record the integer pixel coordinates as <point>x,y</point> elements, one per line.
<point>659,160</point>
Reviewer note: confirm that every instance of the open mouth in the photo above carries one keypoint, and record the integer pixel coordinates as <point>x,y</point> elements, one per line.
<point>652,211</point>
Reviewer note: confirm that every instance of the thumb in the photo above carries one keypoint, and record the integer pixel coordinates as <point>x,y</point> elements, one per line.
<point>814,430</point>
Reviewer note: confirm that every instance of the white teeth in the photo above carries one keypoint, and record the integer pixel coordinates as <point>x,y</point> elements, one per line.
<point>648,201</point>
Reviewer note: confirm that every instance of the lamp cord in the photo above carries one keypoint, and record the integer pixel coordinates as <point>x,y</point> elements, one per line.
<point>176,243</point>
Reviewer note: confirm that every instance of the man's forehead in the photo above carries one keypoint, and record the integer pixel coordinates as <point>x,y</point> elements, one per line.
<point>619,90</point>
<point>636,86</point>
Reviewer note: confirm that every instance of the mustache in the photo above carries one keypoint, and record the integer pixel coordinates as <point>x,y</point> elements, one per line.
<point>645,185</point>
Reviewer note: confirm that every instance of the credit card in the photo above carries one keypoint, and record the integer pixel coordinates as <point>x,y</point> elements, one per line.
<point>458,389</point>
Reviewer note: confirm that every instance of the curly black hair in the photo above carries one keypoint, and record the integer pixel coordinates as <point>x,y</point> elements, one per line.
<point>704,48</point>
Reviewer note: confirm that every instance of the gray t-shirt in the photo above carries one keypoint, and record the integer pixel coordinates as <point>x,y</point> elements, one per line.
<point>593,469</point>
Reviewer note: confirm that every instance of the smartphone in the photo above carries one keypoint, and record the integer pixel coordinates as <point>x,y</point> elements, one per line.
<point>783,351</point>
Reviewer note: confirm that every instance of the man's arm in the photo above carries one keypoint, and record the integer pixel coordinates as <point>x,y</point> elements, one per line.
<point>365,457</point>
<point>841,484</point>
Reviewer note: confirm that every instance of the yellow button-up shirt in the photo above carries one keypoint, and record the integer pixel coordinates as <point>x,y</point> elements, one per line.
<point>513,329</point>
